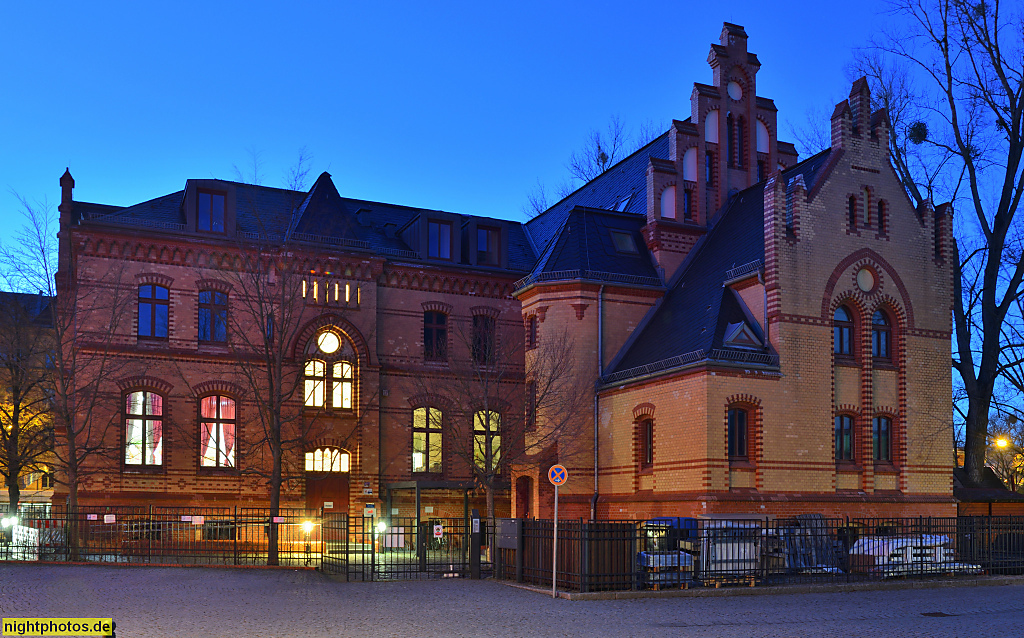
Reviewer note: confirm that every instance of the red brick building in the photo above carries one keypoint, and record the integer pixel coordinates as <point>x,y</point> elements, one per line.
<point>764,335</point>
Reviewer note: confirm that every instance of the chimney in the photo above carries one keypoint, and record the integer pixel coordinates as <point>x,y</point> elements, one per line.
<point>67,184</point>
<point>860,106</point>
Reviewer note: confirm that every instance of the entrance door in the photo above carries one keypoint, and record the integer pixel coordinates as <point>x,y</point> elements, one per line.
<point>524,488</point>
<point>328,490</point>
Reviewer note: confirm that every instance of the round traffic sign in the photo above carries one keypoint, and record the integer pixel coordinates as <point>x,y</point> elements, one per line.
<point>558,475</point>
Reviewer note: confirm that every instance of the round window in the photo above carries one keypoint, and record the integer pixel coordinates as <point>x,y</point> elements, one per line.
<point>735,90</point>
<point>328,342</point>
<point>866,279</point>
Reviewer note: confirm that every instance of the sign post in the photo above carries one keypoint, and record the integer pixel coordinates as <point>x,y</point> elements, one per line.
<point>558,475</point>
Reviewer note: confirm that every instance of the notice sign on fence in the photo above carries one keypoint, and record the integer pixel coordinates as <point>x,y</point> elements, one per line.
<point>186,519</point>
<point>370,510</point>
<point>438,531</point>
<point>109,518</point>
<point>92,517</point>
<point>198,520</point>
<point>279,519</point>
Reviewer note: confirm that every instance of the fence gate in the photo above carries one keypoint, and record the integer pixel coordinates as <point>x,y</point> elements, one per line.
<point>373,549</point>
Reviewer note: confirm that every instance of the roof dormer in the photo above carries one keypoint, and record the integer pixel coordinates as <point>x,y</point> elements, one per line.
<point>209,207</point>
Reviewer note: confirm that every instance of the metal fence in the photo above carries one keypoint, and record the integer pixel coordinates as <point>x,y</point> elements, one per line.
<point>712,552</point>
<point>363,548</point>
<point>165,536</point>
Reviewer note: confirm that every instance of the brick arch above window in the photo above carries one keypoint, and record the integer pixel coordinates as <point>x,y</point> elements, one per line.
<point>643,411</point>
<point>154,278</point>
<point>740,400</point>
<point>144,382</point>
<point>486,311</point>
<point>437,306</point>
<point>881,266</point>
<point>848,408</point>
<point>891,307</point>
<point>218,386</point>
<point>214,284</point>
<point>429,399</point>
<point>327,441</point>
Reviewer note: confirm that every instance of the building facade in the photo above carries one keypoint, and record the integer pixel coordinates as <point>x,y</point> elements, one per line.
<point>758,334</point>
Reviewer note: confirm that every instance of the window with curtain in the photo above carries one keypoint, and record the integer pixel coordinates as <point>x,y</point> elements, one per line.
<point>327,459</point>
<point>143,441</point>
<point>217,429</point>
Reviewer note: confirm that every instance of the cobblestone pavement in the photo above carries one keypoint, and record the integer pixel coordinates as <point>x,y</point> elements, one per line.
<point>162,602</point>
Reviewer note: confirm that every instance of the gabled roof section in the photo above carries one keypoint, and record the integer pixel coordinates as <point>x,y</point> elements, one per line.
<point>35,307</point>
<point>690,323</point>
<point>625,181</point>
<point>586,247</point>
<point>162,212</point>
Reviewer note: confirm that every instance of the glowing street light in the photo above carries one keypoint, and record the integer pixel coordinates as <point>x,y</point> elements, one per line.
<point>1002,442</point>
<point>307,527</point>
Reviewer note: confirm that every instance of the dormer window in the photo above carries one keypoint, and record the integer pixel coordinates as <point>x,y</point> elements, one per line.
<point>624,242</point>
<point>210,212</point>
<point>439,240</point>
<point>487,246</point>
<point>740,335</point>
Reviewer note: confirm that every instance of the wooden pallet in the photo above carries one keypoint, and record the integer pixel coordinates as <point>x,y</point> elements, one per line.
<point>683,583</point>
<point>750,581</point>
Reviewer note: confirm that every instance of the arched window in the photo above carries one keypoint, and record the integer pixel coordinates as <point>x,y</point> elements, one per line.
<point>153,307</point>
<point>709,168</point>
<point>741,135</point>
<point>881,218</point>
<point>487,440</point>
<point>646,444</point>
<point>730,136</point>
<point>738,433</point>
<point>213,316</point>
<point>143,441</point>
<point>688,205</point>
<point>426,440</point>
<point>531,332</point>
<point>881,333</point>
<point>881,438</point>
<point>842,332</point>
<point>852,212</point>
<point>217,434</point>
<point>327,459</point>
<point>844,437</point>
<point>329,371</point>
<point>435,336</point>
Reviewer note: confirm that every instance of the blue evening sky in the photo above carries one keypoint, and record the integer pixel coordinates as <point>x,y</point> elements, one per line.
<point>455,106</point>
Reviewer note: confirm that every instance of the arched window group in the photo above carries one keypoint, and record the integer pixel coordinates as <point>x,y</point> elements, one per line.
<point>144,432</point>
<point>329,371</point>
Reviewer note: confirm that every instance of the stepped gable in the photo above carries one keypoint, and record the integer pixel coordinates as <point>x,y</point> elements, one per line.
<point>688,320</point>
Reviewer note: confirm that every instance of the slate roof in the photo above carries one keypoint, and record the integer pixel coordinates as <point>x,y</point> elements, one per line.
<point>689,322</point>
<point>35,306</point>
<point>623,187</point>
<point>320,215</point>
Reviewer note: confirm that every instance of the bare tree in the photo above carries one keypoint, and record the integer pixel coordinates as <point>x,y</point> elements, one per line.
<point>26,431</point>
<point>507,405</point>
<point>83,326</point>
<point>1005,454</point>
<point>964,113</point>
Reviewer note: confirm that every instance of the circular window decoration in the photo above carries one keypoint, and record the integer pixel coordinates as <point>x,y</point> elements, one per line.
<point>328,342</point>
<point>866,279</point>
<point>735,90</point>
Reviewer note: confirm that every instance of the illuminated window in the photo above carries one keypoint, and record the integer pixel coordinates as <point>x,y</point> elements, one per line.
<point>143,441</point>
<point>487,440</point>
<point>329,372</point>
<point>217,440</point>
<point>327,459</point>
<point>153,307</point>
<point>426,440</point>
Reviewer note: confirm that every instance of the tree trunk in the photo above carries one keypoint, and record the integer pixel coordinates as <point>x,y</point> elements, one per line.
<point>71,513</point>
<point>275,508</point>
<point>13,494</point>
<point>976,443</point>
